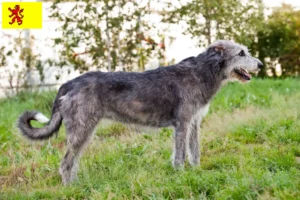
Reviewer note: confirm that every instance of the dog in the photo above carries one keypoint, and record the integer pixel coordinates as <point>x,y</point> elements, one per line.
<point>173,96</point>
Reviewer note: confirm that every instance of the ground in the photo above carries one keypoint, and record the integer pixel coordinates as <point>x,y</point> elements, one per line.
<point>250,147</point>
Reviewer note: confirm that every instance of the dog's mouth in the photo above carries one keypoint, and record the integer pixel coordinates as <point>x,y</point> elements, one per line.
<point>242,74</point>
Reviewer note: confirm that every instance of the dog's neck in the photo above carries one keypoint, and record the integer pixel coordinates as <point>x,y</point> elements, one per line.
<point>211,77</point>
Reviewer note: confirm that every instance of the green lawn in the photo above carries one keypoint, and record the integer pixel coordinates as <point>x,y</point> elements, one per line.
<point>250,146</point>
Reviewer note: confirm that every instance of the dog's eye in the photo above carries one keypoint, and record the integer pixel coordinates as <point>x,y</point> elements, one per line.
<point>242,53</point>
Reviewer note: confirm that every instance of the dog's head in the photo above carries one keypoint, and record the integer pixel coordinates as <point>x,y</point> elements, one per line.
<point>234,60</point>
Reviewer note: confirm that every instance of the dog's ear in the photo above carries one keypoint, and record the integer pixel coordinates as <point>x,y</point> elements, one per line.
<point>216,49</point>
<point>215,54</point>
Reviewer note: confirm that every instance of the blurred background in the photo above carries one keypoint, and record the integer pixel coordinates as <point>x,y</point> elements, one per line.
<point>121,35</point>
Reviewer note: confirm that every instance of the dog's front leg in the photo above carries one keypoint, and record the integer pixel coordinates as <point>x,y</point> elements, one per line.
<point>180,145</point>
<point>193,142</point>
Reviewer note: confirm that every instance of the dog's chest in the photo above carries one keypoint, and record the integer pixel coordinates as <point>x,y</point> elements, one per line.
<point>202,112</point>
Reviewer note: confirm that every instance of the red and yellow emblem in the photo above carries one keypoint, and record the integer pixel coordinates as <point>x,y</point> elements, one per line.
<point>16,15</point>
<point>22,15</point>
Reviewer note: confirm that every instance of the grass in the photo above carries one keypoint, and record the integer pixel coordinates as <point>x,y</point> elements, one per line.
<point>250,146</point>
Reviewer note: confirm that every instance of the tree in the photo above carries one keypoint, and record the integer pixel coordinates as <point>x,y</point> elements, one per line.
<point>111,32</point>
<point>279,41</point>
<point>19,60</point>
<point>219,19</point>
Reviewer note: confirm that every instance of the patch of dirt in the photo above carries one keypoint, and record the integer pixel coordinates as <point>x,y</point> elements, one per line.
<point>16,176</point>
<point>3,180</point>
<point>266,195</point>
<point>61,145</point>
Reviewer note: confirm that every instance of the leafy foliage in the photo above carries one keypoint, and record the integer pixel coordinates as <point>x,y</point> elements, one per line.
<point>20,59</point>
<point>110,33</point>
<point>279,40</point>
<point>221,19</point>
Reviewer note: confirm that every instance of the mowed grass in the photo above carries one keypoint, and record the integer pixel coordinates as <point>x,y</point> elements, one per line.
<point>250,149</point>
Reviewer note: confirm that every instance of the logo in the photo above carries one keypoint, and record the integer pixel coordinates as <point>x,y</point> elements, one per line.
<point>16,15</point>
<point>21,15</point>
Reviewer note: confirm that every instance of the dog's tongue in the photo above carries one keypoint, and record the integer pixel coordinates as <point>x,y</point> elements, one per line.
<point>246,75</point>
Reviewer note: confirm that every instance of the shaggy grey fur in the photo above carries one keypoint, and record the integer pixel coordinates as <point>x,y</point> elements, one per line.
<point>176,96</point>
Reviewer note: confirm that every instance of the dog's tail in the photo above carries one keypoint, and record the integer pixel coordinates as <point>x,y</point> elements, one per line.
<point>40,133</point>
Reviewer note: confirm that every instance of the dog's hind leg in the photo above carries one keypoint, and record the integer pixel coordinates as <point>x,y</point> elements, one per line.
<point>78,135</point>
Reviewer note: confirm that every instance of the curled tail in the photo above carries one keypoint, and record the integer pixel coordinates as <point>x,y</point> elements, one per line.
<point>40,133</point>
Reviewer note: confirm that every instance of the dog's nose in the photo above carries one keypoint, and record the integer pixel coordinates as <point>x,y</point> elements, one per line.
<point>260,65</point>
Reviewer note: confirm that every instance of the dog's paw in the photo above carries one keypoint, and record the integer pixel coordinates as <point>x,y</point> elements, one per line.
<point>178,165</point>
<point>194,162</point>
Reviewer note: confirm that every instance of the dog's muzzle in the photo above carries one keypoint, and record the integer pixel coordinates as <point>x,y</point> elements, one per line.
<point>260,64</point>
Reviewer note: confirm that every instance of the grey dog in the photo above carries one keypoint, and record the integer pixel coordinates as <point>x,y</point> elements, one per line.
<point>176,96</point>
